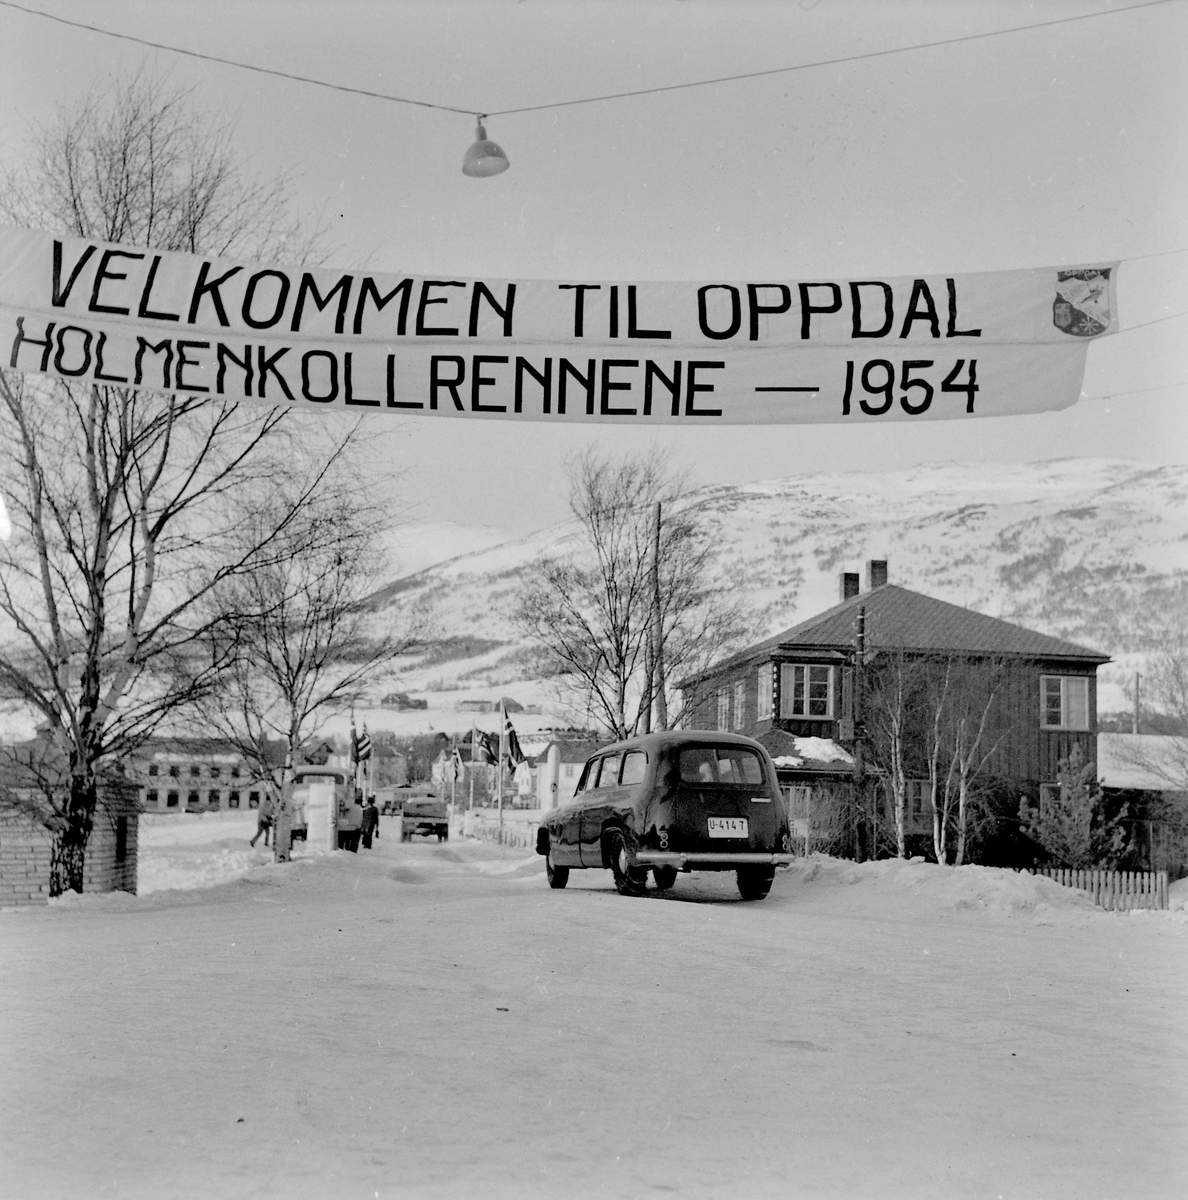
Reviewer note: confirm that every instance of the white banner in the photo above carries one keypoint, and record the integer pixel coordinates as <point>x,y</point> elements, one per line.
<point>713,352</point>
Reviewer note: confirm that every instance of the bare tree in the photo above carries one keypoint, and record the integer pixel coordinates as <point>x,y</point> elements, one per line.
<point>127,508</point>
<point>972,744</point>
<point>891,705</point>
<point>591,612</point>
<point>1166,757</point>
<point>300,638</point>
<point>932,716</point>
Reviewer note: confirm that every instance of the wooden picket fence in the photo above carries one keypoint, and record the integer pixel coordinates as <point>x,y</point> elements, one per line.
<point>1119,891</point>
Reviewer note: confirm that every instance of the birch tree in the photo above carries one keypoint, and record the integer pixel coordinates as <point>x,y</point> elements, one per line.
<point>891,705</point>
<point>128,508</point>
<point>303,643</point>
<point>592,610</point>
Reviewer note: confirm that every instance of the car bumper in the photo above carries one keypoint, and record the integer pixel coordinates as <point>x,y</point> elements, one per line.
<point>704,858</point>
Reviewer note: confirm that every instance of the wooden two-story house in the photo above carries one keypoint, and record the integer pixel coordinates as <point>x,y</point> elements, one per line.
<point>811,682</point>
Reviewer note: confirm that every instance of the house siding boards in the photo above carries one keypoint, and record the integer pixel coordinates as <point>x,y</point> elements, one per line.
<point>900,621</point>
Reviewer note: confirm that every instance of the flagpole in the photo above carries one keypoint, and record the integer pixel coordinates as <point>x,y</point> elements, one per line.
<point>499,770</point>
<point>473,739</point>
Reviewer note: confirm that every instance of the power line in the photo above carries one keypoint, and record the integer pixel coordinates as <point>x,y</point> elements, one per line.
<point>1153,321</point>
<point>1162,387</point>
<point>825,62</point>
<point>673,87</point>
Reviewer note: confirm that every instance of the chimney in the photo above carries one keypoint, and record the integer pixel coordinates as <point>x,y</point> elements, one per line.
<point>850,584</point>
<point>876,573</point>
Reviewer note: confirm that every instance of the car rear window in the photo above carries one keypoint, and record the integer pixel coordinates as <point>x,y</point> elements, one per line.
<point>721,764</point>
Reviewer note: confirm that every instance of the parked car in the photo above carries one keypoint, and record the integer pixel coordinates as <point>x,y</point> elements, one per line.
<point>425,815</point>
<point>689,800</point>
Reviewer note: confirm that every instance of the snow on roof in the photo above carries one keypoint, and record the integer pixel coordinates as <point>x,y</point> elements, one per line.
<point>814,749</point>
<point>822,750</point>
<point>1148,762</point>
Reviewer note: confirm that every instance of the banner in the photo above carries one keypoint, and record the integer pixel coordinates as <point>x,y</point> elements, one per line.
<point>717,352</point>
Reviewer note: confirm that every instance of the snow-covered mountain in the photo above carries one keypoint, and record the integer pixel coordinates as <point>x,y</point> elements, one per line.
<point>1092,550</point>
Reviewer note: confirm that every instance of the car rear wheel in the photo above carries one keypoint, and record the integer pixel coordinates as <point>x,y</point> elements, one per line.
<point>629,880</point>
<point>558,876</point>
<point>665,877</point>
<point>755,882</point>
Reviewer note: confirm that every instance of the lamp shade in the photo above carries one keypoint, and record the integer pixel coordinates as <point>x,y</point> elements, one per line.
<point>483,157</point>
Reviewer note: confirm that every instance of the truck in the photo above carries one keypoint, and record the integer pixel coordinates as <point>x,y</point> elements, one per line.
<point>424,814</point>
<point>333,788</point>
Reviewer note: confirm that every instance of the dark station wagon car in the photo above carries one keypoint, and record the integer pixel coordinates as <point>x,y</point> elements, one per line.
<point>689,800</point>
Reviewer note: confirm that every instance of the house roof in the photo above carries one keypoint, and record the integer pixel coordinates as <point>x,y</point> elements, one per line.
<point>1146,762</point>
<point>899,619</point>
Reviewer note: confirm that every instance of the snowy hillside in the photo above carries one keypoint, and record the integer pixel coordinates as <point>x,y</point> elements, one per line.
<point>1090,550</point>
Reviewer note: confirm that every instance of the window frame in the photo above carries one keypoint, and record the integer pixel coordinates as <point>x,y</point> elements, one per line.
<point>739,715</point>
<point>723,723</point>
<point>788,691</point>
<point>1066,708</point>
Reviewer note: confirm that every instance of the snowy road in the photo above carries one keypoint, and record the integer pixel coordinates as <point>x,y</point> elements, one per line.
<point>425,1020</point>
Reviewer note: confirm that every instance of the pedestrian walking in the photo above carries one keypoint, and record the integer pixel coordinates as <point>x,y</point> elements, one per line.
<point>370,826</point>
<point>263,819</point>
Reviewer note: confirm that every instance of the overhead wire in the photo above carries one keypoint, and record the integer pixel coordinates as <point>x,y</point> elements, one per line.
<point>649,91</point>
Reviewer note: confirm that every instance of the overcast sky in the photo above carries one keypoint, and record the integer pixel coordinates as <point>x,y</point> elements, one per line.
<point>1055,145</point>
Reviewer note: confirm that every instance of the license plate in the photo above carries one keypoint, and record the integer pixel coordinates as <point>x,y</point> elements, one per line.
<point>727,827</point>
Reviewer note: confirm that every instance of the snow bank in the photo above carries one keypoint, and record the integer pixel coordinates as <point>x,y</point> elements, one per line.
<point>955,889</point>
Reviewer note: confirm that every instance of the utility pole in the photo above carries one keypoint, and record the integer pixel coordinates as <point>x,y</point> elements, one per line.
<point>859,731</point>
<point>1134,724</point>
<point>473,739</point>
<point>657,676</point>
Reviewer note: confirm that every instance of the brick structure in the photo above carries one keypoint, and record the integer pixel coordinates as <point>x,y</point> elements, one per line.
<point>110,865</point>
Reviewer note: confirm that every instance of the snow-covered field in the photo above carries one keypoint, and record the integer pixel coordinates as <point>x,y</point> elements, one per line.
<point>425,1020</point>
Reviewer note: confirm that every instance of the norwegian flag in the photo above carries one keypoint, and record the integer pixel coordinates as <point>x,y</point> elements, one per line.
<point>515,755</point>
<point>481,746</point>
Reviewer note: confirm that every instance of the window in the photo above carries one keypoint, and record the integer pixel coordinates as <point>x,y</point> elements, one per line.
<point>766,682</point>
<point>171,800</point>
<point>174,771</point>
<point>720,764</point>
<point>192,800</point>
<point>232,799</point>
<point>121,846</point>
<point>195,770</point>
<point>214,770</point>
<point>153,768</point>
<point>1064,701</point>
<point>723,709</point>
<point>253,799</point>
<point>151,797</point>
<point>608,776</point>
<point>634,762</point>
<point>234,772</point>
<point>806,691</point>
<point>740,704</point>
<point>213,800</point>
<point>918,801</point>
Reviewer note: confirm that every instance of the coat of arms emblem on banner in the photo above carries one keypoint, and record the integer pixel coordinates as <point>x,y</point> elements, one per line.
<point>1082,304</point>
